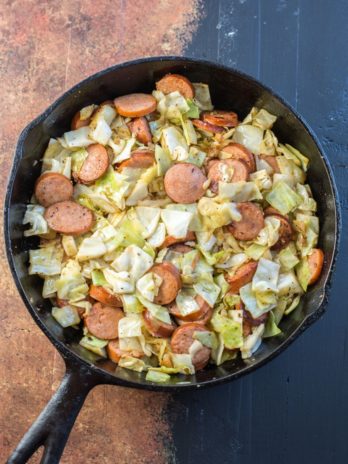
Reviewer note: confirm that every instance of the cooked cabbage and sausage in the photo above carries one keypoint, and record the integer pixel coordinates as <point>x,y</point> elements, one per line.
<point>173,234</point>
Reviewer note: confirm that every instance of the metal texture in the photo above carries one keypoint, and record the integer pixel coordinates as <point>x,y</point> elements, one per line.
<point>229,88</point>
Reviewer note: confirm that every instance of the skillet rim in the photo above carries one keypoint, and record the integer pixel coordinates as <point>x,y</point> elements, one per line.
<point>104,376</point>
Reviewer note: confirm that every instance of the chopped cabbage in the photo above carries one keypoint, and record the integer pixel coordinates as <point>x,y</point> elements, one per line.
<point>134,261</point>
<point>202,96</point>
<point>133,364</point>
<point>157,376</point>
<point>71,285</point>
<point>158,312</point>
<point>176,222</point>
<point>121,282</point>
<point>66,316</point>
<point>78,138</point>
<point>186,302</point>
<point>239,191</point>
<point>149,218</point>
<point>249,136</point>
<point>46,261</point>
<point>34,217</point>
<point>283,198</point>
<point>94,344</point>
<point>163,160</point>
<point>158,236</point>
<point>208,290</point>
<point>148,285</point>
<point>260,118</point>
<point>174,143</point>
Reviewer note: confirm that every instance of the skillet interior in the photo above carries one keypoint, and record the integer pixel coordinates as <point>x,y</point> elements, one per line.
<point>230,90</point>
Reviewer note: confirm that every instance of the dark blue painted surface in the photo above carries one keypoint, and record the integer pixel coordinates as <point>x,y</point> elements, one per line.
<point>295,409</point>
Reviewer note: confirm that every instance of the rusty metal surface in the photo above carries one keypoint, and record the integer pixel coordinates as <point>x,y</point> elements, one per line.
<point>45,48</point>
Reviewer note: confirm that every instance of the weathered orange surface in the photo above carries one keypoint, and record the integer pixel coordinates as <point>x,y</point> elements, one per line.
<point>45,48</point>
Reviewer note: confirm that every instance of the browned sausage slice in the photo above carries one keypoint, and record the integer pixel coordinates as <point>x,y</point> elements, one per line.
<point>272,161</point>
<point>182,339</point>
<point>184,182</point>
<point>181,248</point>
<point>169,240</point>
<point>206,126</point>
<point>242,276</point>
<point>202,311</point>
<point>139,159</point>
<point>95,165</point>
<point>286,232</point>
<point>156,327</point>
<point>176,83</point>
<point>315,263</point>
<point>141,129</point>
<point>171,282</point>
<point>238,169</point>
<point>135,105</point>
<point>68,217</point>
<point>51,187</point>
<point>221,118</point>
<point>102,321</point>
<point>239,152</point>
<point>77,122</point>
<point>102,295</point>
<point>251,223</point>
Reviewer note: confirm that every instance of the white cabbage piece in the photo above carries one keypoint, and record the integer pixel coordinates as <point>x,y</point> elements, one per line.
<point>131,304</point>
<point>189,131</point>
<point>252,342</point>
<point>307,227</point>
<point>308,203</point>
<point>149,218</point>
<point>252,303</point>
<point>133,260</point>
<point>100,124</point>
<point>130,326</point>
<point>295,155</point>
<point>176,222</point>
<point>34,216</point>
<point>202,96</point>
<point>49,288</point>
<point>148,285</point>
<point>215,214</point>
<point>239,191</point>
<point>90,248</point>
<point>288,284</point>
<point>131,363</point>
<point>183,362</point>
<point>186,301</point>
<point>174,143</point>
<point>158,237</point>
<point>46,261</point>
<point>121,282</point>
<point>163,160</point>
<point>206,240</point>
<point>260,118</point>
<point>262,179</point>
<point>208,290</point>
<point>172,105</point>
<point>71,284</point>
<point>269,234</point>
<point>249,136</point>
<point>157,311</point>
<point>266,276</point>
<point>69,245</point>
<point>94,344</point>
<point>125,153</point>
<point>78,138</point>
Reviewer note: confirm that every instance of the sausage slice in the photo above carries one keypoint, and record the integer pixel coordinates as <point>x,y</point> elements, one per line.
<point>239,152</point>
<point>68,217</point>
<point>184,182</point>
<point>251,223</point>
<point>95,165</point>
<point>140,159</point>
<point>156,327</point>
<point>315,263</point>
<point>171,282</point>
<point>102,321</point>
<point>141,129</point>
<point>272,161</point>
<point>221,118</point>
<point>206,126</point>
<point>201,313</point>
<point>77,122</point>
<point>51,187</point>
<point>101,294</point>
<point>286,232</point>
<point>181,248</point>
<point>242,276</point>
<point>182,339</point>
<point>135,105</point>
<point>176,83</point>
<point>236,171</point>
<point>169,240</point>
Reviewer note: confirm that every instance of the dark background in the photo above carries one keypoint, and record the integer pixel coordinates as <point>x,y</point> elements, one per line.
<point>295,409</point>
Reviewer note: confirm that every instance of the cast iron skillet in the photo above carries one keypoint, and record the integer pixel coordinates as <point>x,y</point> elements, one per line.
<point>230,90</point>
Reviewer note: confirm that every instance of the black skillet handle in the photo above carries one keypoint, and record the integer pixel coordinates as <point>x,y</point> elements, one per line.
<point>52,428</point>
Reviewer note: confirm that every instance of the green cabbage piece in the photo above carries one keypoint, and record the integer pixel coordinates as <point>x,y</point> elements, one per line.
<point>255,251</point>
<point>308,231</point>
<point>303,273</point>
<point>130,326</point>
<point>148,285</point>
<point>158,312</point>
<point>186,301</point>
<point>239,191</point>
<point>215,214</point>
<point>189,131</point>
<point>283,198</point>
<point>174,143</point>
<point>293,305</point>
<point>133,364</point>
<point>177,222</point>
<point>308,203</point>
<point>271,328</point>
<point>46,261</point>
<point>290,172</point>
<point>207,338</point>
<point>131,304</point>
<point>98,278</point>
<point>133,260</point>
<point>71,285</point>
<point>288,257</point>
<point>260,118</point>
<point>223,285</point>
<point>257,303</point>
<point>66,316</point>
<point>69,245</point>
<point>202,96</point>
<point>163,160</point>
<point>157,376</point>
<point>78,138</point>
<point>94,344</point>
<point>193,111</point>
<point>208,290</point>
<point>34,216</point>
<point>196,156</point>
<point>231,330</point>
<point>294,155</point>
<point>49,287</point>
